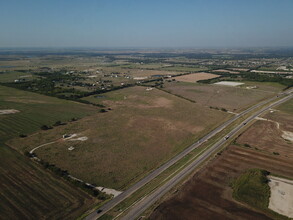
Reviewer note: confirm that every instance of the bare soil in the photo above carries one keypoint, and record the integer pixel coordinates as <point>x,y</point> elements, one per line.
<point>272,139</point>
<point>196,77</point>
<point>8,111</point>
<point>208,195</point>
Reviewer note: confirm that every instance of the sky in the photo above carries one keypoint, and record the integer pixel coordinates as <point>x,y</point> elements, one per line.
<point>146,23</point>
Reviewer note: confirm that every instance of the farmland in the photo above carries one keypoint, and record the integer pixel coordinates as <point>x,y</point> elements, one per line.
<point>109,118</point>
<point>35,110</point>
<point>143,129</point>
<point>209,194</point>
<point>196,77</point>
<point>29,192</point>
<point>233,99</point>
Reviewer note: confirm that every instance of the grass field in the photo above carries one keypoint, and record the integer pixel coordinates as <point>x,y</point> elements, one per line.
<point>11,76</point>
<point>287,107</point>
<point>28,192</point>
<point>252,188</point>
<point>231,98</point>
<point>34,111</point>
<point>143,129</point>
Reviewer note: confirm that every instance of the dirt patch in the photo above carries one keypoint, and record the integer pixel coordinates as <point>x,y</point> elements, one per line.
<point>196,77</point>
<point>281,200</point>
<point>272,136</point>
<point>8,111</point>
<point>228,83</point>
<point>287,135</point>
<point>160,102</point>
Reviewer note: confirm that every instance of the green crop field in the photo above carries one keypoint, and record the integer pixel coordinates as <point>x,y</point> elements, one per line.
<point>34,111</point>
<point>143,129</point>
<point>29,192</point>
<point>11,76</point>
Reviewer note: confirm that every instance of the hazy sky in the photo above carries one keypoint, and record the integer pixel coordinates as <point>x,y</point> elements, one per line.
<point>146,23</point>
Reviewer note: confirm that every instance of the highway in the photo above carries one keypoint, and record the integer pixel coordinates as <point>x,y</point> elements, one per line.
<point>146,202</point>
<point>112,203</point>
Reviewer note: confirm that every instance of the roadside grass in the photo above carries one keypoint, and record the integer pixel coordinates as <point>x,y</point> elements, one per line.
<point>34,111</point>
<point>287,107</point>
<point>121,208</point>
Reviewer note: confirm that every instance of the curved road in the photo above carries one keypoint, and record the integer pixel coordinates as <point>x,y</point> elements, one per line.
<point>112,203</point>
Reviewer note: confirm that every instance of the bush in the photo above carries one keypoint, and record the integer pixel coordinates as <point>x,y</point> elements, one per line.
<point>247,145</point>
<point>103,110</point>
<point>22,135</point>
<point>45,127</point>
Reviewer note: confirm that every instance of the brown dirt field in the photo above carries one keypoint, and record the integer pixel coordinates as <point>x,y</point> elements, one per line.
<point>207,195</point>
<point>271,137</point>
<point>194,77</point>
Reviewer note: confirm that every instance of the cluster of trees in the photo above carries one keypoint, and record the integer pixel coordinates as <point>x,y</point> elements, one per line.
<point>268,78</point>
<point>250,76</point>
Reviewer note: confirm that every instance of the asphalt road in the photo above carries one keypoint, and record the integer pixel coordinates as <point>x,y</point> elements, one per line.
<point>112,203</point>
<point>146,202</point>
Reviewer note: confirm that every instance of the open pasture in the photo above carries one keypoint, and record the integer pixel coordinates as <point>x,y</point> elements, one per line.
<point>233,99</point>
<point>143,129</point>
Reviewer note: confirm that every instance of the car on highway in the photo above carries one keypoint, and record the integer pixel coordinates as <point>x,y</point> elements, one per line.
<point>226,137</point>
